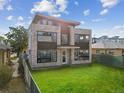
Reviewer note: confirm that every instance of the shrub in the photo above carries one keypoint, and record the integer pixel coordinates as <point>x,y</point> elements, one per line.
<point>5,75</point>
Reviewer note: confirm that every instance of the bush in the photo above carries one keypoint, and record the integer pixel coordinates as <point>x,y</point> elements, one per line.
<point>5,75</point>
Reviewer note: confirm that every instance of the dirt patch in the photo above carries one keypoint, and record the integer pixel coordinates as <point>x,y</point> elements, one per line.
<point>16,85</point>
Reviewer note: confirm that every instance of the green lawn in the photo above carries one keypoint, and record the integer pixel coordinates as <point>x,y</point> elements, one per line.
<point>81,79</point>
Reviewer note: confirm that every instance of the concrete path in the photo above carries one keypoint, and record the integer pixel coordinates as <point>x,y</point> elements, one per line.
<point>15,68</point>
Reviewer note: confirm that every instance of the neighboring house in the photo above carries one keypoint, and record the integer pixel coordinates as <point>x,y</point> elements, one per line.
<point>56,42</point>
<point>108,39</point>
<point>4,53</point>
<point>111,48</point>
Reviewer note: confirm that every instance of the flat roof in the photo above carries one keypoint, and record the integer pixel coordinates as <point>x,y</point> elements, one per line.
<point>108,45</point>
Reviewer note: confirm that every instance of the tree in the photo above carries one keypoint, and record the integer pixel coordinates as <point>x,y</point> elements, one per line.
<point>2,38</point>
<point>18,39</point>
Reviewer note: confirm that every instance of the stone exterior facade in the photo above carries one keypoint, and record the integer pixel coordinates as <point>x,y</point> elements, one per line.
<point>59,26</point>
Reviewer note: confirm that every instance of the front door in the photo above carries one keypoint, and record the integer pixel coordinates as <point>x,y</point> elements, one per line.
<point>64,56</point>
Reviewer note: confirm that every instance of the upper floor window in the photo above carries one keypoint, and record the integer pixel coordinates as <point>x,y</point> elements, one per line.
<point>64,39</point>
<point>47,36</point>
<point>77,39</point>
<point>49,22</point>
<point>81,37</point>
<point>44,22</point>
<point>87,37</point>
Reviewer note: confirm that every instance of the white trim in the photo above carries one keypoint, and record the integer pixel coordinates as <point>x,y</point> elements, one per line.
<point>67,47</point>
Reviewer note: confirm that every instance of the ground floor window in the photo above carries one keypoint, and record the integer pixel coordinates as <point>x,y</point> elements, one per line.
<point>76,54</point>
<point>111,52</point>
<point>84,54</point>
<point>81,54</point>
<point>46,56</point>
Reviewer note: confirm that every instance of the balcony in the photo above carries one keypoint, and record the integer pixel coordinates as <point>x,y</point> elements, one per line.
<point>46,28</point>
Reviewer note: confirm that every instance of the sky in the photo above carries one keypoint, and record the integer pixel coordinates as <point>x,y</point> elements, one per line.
<point>103,17</point>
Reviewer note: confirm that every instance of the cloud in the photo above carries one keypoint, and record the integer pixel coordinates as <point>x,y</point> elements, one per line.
<point>20,18</point>
<point>98,20</point>
<point>56,15</point>
<point>53,7</point>
<point>86,12</point>
<point>10,18</point>
<point>3,3</point>
<point>82,22</point>
<point>43,6</point>
<point>61,5</point>
<point>103,12</point>
<point>76,3</point>
<point>118,27</point>
<point>114,31</point>
<point>20,21</point>
<point>107,4</point>
<point>9,8</point>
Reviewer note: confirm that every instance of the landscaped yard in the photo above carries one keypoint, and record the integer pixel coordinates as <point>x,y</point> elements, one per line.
<point>80,79</point>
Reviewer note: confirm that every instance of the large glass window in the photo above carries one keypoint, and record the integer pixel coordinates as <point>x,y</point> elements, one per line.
<point>84,54</point>
<point>46,56</point>
<point>77,39</point>
<point>87,37</point>
<point>81,37</point>
<point>111,52</point>
<point>64,39</point>
<point>76,53</point>
<point>81,54</point>
<point>47,36</point>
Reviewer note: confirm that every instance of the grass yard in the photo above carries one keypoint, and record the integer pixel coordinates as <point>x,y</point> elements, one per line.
<point>81,79</point>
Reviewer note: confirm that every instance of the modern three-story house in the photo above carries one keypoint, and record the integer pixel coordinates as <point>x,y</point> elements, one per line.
<point>56,42</point>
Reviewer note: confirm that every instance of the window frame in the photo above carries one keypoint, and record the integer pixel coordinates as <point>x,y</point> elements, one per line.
<point>77,53</point>
<point>51,56</point>
<point>79,57</point>
<point>81,40</point>
<point>51,34</point>
<point>62,38</point>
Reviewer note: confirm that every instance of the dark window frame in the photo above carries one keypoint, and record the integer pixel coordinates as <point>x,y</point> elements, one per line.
<point>49,60</point>
<point>81,55</point>
<point>67,39</point>
<point>77,53</point>
<point>84,38</point>
<point>47,35</point>
<point>84,56</point>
